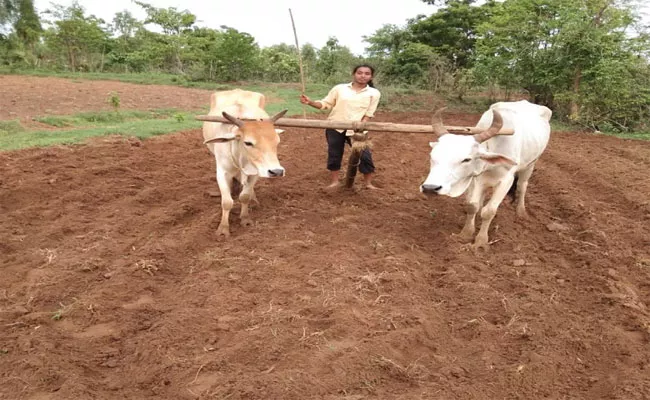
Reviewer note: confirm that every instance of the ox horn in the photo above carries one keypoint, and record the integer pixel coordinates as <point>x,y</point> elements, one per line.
<point>233,119</point>
<point>278,115</point>
<point>436,122</point>
<point>497,123</point>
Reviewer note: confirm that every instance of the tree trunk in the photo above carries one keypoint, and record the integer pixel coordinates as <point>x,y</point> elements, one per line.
<point>101,65</point>
<point>577,78</point>
<point>71,59</point>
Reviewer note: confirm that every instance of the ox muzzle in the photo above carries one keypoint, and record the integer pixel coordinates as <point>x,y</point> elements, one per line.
<point>276,173</point>
<point>430,189</point>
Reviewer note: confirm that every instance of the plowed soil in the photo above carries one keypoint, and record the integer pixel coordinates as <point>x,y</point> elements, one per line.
<point>114,285</point>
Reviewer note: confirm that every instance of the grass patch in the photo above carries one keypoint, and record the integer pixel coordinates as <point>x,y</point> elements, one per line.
<point>10,127</point>
<point>140,128</point>
<point>631,135</point>
<point>104,117</point>
<point>564,126</point>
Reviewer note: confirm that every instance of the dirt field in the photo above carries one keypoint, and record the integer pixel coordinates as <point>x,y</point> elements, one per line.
<point>113,284</point>
<point>30,96</point>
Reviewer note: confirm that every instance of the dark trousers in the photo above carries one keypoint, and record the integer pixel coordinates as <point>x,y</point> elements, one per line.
<point>335,147</point>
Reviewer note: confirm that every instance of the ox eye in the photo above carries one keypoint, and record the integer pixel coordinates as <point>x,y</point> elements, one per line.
<point>466,160</point>
<point>249,144</point>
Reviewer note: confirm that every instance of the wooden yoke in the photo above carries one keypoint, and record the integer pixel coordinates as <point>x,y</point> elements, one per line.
<point>359,126</point>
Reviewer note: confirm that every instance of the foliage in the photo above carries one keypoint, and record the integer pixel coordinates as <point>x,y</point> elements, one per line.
<point>28,25</point>
<point>7,10</point>
<point>75,38</point>
<point>575,57</point>
<point>114,101</point>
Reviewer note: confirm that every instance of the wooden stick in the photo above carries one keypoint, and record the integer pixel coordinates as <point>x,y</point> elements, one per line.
<point>353,164</point>
<point>302,75</point>
<point>366,126</point>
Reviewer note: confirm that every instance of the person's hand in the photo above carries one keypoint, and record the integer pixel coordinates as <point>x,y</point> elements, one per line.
<point>359,130</point>
<point>304,99</point>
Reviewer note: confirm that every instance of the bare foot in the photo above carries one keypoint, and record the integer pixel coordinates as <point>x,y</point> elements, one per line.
<point>333,185</point>
<point>371,186</point>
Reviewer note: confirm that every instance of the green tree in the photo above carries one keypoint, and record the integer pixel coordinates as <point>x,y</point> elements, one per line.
<point>452,30</point>
<point>126,27</point>
<point>175,26</point>
<point>279,63</point>
<point>7,9</point>
<point>334,62</point>
<point>237,55</point>
<point>309,60</point>
<point>81,39</point>
<point>387,41</point>
<point>28,25</point>
<point>560,51</point>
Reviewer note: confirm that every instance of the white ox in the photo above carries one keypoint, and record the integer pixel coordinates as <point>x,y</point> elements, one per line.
<point>243,151</point>
<point>543,111</point>
<point>461,163</point>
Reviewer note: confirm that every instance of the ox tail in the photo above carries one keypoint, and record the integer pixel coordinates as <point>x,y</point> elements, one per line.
<point>512,192</point>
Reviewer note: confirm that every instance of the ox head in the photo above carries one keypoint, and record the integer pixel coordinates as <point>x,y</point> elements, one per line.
<point>259,143</point>
<point>456,159</point>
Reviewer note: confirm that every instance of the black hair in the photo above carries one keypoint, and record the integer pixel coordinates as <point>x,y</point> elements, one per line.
<point>372,71</point>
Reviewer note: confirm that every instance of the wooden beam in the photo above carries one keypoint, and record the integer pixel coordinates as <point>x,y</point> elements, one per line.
<point>366,126</point>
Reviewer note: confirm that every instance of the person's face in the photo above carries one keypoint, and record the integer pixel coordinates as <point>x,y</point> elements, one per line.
<point>363,75</point>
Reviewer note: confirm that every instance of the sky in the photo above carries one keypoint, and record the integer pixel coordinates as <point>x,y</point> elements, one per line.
<point>269,22</point>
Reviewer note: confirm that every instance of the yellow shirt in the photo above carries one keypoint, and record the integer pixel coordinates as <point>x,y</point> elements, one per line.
<point>349,105</point>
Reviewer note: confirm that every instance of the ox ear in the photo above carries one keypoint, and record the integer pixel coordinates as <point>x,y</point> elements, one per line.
<point>279,131</point>
<point>495,158</point>
<point>223,138</point>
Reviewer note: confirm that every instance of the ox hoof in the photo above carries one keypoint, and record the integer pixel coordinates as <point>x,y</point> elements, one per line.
<point>223,230</point>
<point>464,235</point>
<point>246,222</point>
<point>522,214</point>
<point>480,244</point>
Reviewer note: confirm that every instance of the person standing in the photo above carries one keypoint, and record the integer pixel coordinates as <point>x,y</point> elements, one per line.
<point>354,101</point>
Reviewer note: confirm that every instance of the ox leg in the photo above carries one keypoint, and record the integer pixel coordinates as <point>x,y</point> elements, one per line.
<point>490,210</point>
<point>225,188</point>
<point>253,196</point>
<point>522,186</point>
<point>474,203</point>
<point>247,194</point>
